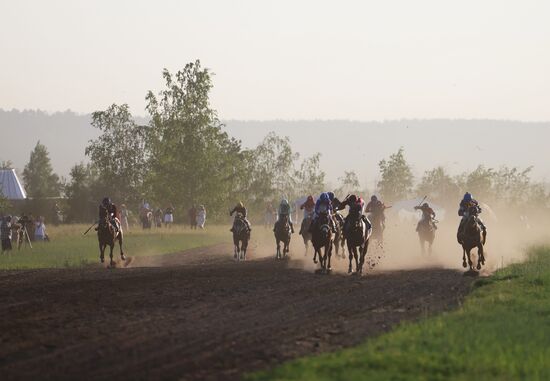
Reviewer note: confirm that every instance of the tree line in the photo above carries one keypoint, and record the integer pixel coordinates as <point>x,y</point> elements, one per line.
<point>183,157</point>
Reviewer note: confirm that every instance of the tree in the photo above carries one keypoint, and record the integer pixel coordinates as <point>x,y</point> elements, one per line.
<point>273,169</point>
<point>479,182</point>
<point>511,185</point>
<point>119,154</point>
<point>439,187</point>
<point>309,178</point>
<point>349,183</point>
<point>40,181</point>
<point>79,193</point>
<point>191,159</point>
<point>6,164</point>
<point>397,177</point>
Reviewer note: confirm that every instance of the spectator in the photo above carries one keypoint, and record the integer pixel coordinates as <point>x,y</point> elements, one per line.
<point>169,216</point>
<point>40,230</point>
<point>5,233</point>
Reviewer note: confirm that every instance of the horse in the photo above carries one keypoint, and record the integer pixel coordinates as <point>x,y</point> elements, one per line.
<point>473,237</point>
<point>377,227</point>
<point>339,240</point>
<point>107,236</point>
<point>282,234</point>
<point>358,236</point>
<point>304,231</point>
<point>426,234</point>
<point>321,238</point>
<point>241,236</point>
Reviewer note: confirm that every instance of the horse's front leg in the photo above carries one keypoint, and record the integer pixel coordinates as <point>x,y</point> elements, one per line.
<point>470,263</point>
<point>480,256</point>
<point>350,256</point>
<point>112,247</point>
<point>278,255</point>
<point>464,257</point>
<point>329,248</point>
<point>356,256</point>
<point>315,254</point>
<point>122,256</point>
<point>101,252</point>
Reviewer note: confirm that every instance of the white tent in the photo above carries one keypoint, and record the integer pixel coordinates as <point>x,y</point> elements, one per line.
<point>10,186</point>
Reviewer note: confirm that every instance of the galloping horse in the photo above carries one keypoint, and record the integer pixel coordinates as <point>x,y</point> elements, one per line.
<point>473,237</point>
<point>321,238</point>
<point>377,227</point>
<point>426,233</point>
<point>304,231</point>
<point>241,236</point>
<point>339,240</point>
<point>282,234</point>
<point>358,236</point>
<point>107,236</point>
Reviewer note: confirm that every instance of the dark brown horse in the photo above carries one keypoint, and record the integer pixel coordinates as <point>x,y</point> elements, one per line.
<point>321,238</point>
<point>473,237</point>
<point>358,237</point>
<point>305,233</point>
<point>107,236</point>
<point>241,236</point>
<point>426,234</point>
<point>282,234</point>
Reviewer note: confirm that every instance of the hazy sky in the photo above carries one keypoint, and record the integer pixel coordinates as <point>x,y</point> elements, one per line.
<point>364,60</point>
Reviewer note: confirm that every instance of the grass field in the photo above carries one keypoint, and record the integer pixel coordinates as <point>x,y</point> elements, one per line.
<point>69,247</point>
<point>501,332</point>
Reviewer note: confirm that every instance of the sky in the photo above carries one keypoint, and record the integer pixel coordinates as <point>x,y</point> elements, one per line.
<point>359,60</point>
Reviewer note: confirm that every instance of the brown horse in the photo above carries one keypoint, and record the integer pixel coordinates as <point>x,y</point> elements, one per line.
<point>321,238</point>
<point>426,234</point>
<point>473,237</point>
<point>107,236</point>
<point>282,234</point>
<point>358,236</point>
<point>305,233</point>
<point>241,236</point>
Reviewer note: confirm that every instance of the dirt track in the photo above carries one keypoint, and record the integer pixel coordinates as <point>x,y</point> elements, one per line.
<point>198,316</point>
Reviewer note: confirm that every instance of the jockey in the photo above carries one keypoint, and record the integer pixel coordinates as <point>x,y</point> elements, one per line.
<point>428,215</point>
<point>376,208</point>
<point>463,210</point>
<point>335,206</point>
<point>108,209</point>
<point>323,203</point>
<point>356,210</point>
<point>308,206</point>
<point>309,210</point>
<point>284,210</point>
<point>239,208</point>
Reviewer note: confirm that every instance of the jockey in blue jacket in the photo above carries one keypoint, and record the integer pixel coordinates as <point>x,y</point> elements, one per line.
<point>323,205</point>
<point>464,211</point>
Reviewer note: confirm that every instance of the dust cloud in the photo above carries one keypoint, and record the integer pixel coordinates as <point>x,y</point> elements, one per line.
<point>508,240</point>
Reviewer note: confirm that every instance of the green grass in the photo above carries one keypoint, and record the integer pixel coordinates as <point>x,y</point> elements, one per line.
<point>501,332</point>
<point>69,248</point>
